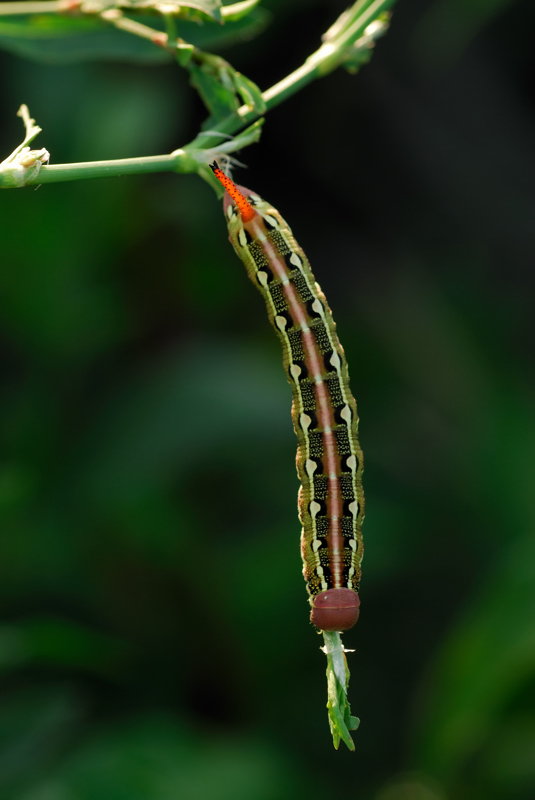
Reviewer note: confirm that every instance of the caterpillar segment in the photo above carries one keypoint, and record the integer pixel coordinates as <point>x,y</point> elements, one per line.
<point>324,412</point>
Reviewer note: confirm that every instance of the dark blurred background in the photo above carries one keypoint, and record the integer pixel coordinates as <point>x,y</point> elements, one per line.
<point>154,639</point>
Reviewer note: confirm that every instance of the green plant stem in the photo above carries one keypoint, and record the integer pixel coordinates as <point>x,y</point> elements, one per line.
<point>321,63</point>
<point>116,18</point>
<point>38,7</point>
<point>61,6</point>
<point>329,56</point>
<point>108,169</point>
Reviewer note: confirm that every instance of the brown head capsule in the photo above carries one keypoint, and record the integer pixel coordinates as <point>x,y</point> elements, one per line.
<point>335,610</point>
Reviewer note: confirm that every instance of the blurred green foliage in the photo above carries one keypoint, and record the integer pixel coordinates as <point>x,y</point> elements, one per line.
<point>154,640</point>
<point>57,39</point>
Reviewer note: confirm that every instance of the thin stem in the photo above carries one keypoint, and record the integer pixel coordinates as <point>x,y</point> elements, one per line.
<point>116,18</point>
<point>320,63</point>
<point>330,55</point>
<point>32,130</point>
<point>108,169</point>
<point>38,7</point>
<point>29,124</point>
<point>170,26</point>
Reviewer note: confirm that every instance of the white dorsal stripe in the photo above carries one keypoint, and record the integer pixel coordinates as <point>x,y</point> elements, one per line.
<point>347,414</point>
<point>242,238</point>
<point>324,406</point>
<point>344,570</point>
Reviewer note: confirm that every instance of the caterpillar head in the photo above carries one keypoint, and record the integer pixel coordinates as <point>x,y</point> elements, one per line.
<point>335,609</point>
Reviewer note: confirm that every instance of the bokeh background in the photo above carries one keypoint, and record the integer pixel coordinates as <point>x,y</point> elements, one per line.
<point>154,639</point>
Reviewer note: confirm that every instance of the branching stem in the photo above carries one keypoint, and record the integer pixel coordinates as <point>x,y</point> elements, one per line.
<point>348,29</point>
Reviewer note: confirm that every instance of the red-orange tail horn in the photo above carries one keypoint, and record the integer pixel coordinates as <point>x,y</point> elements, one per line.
<point>246,210</point>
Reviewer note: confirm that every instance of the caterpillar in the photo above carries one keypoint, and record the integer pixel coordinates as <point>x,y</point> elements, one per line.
<point>324,412</point>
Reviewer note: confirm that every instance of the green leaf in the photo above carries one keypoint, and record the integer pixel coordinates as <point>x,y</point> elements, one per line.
<point>39,26</point>
<point>211,36</point>
<point>107,44</point>
<point>339,711</point>
<point>57,39</point>
<point>221,87</point>
<point>216,89</point>
<point>250,93</point>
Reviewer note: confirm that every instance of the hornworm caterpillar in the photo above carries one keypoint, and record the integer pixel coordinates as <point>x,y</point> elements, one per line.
<point>324,412</point>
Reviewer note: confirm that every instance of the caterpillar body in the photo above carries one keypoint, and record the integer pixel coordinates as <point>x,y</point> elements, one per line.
<point>324,412</point>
